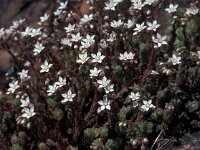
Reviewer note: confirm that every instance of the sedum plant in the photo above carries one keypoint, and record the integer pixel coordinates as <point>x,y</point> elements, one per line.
<point>113,78</point>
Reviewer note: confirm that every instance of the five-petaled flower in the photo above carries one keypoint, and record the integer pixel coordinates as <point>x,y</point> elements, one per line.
<point>139,28</point>
<point>104,104</point>
<point>137,4</point>
<point>68,97</point>
<point>28,112</point>
<point>153,26</point>
<point>44,18</point>
<point>172,8</point>
<point>86,18</point>
<point>45,67</point>
<point>70,28</point>
<point>175,60</point>
<point>13,86</point>
<point>97,58</point>
<point>23,74</point>
<point>61,82</point>
<point>87,42</point>
<point>103,82</point>
<point>94,72</point>
<point>82,58</point>
<point>110,5</point>
<point>159,40</point>
<point>38,48</point>
<point>52,89</point>
<point>134,96</point>
<point>116,24</point>
<point>25,102</point>
<point>63,5</point>
<point>76,37</point>
<point>147,105</point>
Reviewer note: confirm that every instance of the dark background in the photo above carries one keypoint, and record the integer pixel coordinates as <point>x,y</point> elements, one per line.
<point>11,10</point>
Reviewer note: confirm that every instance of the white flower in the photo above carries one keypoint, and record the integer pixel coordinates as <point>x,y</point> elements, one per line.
<point>76,37</point>
<point>86,18</point>
<point>52,89</point>
<point>68,97</point>
<point>28,113</point>
<point>16,24</point>
<point>25,103</point>
<point>44,18</point>
<point>109,88</point>
<point>24,74</point>
<point>27,31</point>
<point>130,23</point>
<point>104,104</point>
<point>61,82</point>
<point>82,58</point>
<point>116,24</point>
<point>88,41</point>
<point>139,27</point>
<point>94,72</point>
<point>147,105</point>
<point>57,12</point>
<point>97,58</point>
<point>134,96</point>
<point>13,87</point>
<point>103,43</point>
<point>110,5</point>
<point>70,28</point>
<point>192,11</point>
<point>153,26</point>
<point>112,37</point>
<point>159,40</point>
<point>153,72</point>
<point>63,5</point>
<point>103,83</point>
<point>38,48</point>
<point>174,59</point>
<point>149,2</point>
<point>66,41</point>
<point>172,8</point>
<point>127,56</point>
<point>137,4</point>
<point>45,67</point>
<point>35,32</point>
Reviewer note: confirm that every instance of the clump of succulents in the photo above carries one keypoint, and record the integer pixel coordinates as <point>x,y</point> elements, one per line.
<point>113,78</point>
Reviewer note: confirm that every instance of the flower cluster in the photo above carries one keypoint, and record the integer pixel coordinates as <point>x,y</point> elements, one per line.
<point>119,58</point>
